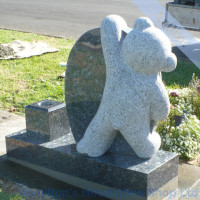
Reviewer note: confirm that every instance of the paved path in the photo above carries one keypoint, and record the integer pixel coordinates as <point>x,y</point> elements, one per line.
<point>9,123</point>
<point>68,18</point>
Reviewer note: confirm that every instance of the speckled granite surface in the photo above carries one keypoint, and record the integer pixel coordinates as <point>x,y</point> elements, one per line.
<point>123,172</point>
<point>84,85</point>
<point>134,96</point>
<point>48,118</point>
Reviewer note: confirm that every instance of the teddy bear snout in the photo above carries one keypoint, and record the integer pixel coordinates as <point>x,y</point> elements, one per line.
<point>171,63</point>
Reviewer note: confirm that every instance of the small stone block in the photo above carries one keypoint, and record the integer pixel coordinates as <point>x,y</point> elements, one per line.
<point>48,118</point>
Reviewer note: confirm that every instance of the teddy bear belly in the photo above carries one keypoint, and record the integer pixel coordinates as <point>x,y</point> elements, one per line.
<point>123,112</point>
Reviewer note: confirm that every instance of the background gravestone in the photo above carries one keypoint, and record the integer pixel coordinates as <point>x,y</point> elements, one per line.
<point>84,85</point>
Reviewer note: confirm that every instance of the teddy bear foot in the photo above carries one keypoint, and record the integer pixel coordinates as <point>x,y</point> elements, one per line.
<point>150,147</point>
<point>88,150</point>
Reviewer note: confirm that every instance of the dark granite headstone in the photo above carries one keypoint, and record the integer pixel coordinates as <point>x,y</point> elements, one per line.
<point>84,85</point>
<point>188,2</point>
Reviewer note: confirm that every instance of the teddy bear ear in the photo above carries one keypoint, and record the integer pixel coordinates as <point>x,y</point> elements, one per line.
<point>143,23</point>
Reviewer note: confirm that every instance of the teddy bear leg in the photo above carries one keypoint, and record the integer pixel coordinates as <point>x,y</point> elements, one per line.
<point>97,139</point>
<point>145,144</point>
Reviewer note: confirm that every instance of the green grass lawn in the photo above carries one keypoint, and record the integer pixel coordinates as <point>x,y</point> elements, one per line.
<point>181,76</point>
<point>24,81</point>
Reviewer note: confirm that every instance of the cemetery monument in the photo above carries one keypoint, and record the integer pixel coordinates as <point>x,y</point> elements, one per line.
<point>103,139</point>
<point>184,13</point>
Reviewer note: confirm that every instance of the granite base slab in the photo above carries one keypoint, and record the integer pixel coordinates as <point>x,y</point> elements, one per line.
<point>116,176</point>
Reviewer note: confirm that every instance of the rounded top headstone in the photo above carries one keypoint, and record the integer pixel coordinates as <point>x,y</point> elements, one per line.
<point>84,85</point>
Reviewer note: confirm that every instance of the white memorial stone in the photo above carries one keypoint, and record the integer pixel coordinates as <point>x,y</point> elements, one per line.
<point>134,97</point>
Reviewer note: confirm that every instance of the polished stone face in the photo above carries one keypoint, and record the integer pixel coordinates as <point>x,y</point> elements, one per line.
<point>85,80</point>
<point>84,86</point>
<point>124,172</point>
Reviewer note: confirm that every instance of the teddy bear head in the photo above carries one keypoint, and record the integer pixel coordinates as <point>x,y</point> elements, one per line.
<point>147,50</point>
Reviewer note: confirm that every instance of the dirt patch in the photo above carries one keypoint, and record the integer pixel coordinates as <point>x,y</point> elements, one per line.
<point>21,85</point>
<point>6,51</point>
<point>21,49</point>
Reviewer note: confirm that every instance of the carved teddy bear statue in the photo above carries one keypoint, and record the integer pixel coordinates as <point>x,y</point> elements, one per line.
<point>134,97</point>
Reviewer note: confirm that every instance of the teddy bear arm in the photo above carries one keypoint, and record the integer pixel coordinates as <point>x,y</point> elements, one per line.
<point>111,39</point>
<point>160,106</point>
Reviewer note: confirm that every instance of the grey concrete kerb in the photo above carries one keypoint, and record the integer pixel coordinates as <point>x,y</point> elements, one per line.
<point>9,123</point>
